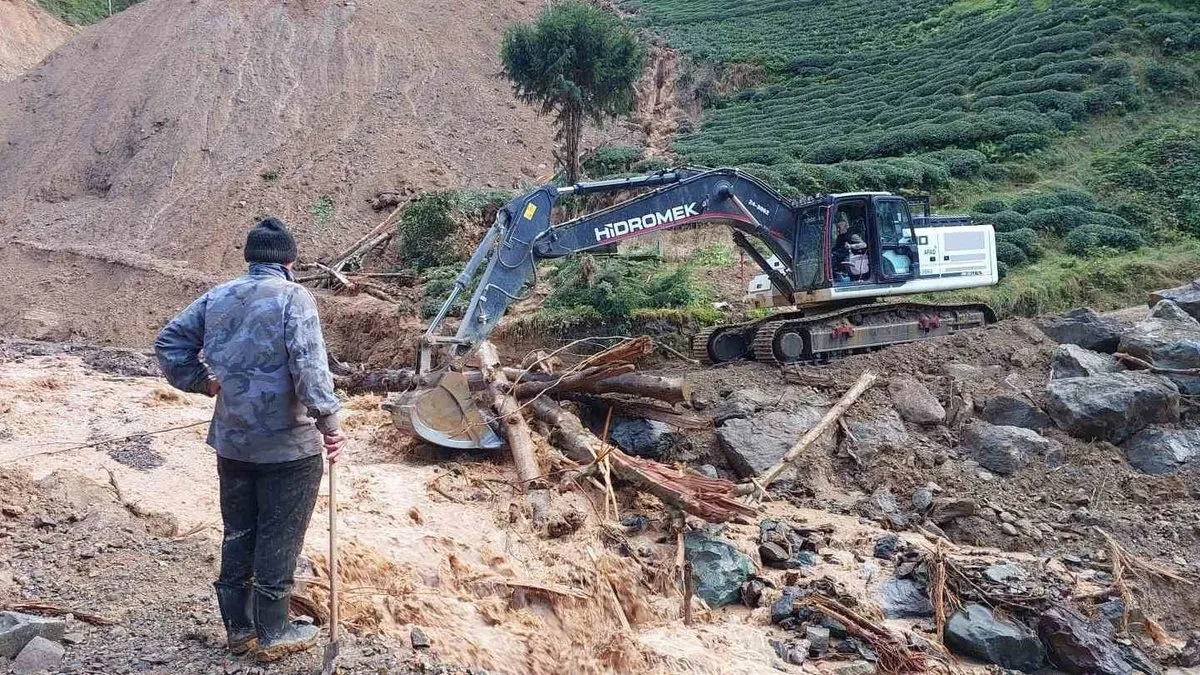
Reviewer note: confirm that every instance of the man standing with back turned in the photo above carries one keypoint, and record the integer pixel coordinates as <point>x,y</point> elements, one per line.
<point>264,361</point>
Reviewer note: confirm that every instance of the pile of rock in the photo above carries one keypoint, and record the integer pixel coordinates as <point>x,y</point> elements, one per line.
<point>1093,396</point>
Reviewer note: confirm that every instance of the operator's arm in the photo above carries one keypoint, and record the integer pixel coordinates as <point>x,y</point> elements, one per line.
<point>308,362</point>
<point>178,349</point>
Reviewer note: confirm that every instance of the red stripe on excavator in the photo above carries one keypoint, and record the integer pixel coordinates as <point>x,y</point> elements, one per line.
<point>676,223</point>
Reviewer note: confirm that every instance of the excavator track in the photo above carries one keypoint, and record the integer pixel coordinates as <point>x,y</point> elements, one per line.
<point>865,328</point>
<point>793,337</point>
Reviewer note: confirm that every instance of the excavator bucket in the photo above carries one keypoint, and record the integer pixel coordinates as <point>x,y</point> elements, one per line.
<point>445,414</point>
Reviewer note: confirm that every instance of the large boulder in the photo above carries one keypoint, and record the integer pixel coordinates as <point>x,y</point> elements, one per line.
<point>884,431</point>
<point>1081,647</point>
<point>1074,361</point>
<point>1112,407</point>
<point>718,568</point>
<point>1011,411</point>
<point>1084,327</point>
<point>644,438</point>
<point>1186,296</point>
<point>755,444</point>
<point>1170,311</point>
<point>1004,450</point>
<point>973,631</point>
<point>17,629</point>
<point>1167,343</point>
<point>1161,450</point>
<point>914,402</point>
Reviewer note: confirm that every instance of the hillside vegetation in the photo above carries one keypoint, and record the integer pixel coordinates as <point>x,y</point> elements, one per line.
<point>993,106</point>
<point>83,12</point>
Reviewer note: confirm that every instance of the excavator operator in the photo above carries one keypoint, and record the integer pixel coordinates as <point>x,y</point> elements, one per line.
<point>849,243</point>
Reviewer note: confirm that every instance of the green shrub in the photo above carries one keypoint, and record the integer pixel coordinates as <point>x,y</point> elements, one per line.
<point>614,290</point>
<point>1002,269</point>
<point>1090,240</point>
<point>1081,198</point>
<point>1024,239</point>
<point>1164,77</point>
<point>1023,144</point>
<point>1010,254</point>
<point>1108,220</point>
<point>612,160</point>
<point>436,283</point>
<point>1006,221</point>
<point>1029,203</point>
<point>989,206</point>
<point>322,209</point>
<point>651,165</point>
<point>83,12</point>
<point>425,228</point>
<point>1060,220</point>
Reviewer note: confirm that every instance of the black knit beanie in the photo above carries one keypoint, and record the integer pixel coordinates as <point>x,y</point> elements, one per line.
<point>270,242</point>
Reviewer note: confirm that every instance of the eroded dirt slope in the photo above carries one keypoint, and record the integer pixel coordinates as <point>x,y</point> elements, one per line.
<point>27,34</point>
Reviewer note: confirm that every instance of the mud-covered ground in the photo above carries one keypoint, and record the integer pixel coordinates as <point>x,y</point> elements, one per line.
<point>444,542</point>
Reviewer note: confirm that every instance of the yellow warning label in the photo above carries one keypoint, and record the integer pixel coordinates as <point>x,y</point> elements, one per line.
<point>530,209</point>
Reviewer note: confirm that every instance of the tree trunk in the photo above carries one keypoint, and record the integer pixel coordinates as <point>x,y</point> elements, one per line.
<point>572,133</point>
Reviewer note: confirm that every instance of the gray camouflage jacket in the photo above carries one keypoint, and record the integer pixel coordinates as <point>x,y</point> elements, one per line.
<point>261,340</point>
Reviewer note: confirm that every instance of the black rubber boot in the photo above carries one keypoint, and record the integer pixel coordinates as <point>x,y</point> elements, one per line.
<point>277,636</point>
<point>237,613</point>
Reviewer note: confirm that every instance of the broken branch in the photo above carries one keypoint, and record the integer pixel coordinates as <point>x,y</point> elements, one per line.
<point>516,429</point>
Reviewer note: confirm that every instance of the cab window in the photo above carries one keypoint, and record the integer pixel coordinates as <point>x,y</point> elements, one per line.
<point>895,227</point>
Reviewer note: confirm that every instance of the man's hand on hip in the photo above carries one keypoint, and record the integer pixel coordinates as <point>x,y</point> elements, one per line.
<point>334,443</point>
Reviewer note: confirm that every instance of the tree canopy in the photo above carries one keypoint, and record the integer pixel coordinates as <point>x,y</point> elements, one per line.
<point>577,62</point>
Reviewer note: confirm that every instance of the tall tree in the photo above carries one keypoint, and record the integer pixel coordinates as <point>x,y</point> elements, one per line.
<point>577,62</point>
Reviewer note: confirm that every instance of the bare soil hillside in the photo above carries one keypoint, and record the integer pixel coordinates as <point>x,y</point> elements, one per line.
<point>27,34</point>
<point>162,133</point>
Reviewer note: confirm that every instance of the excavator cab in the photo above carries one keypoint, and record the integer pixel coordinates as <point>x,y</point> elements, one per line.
<point>871,240</point>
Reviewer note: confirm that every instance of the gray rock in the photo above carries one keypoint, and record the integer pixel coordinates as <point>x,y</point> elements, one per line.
<point>17,629</point>
<point>946,510</point>
<point>754,445</point>
<point>718,568</point>
<point>1167,344</point>
<point>968,373</point>
<point>1076,645</point>
<point>1189,656</point>
<point>1111,407</point>
<point>794,652</point>
<point>1004,450</point>
<point>1162,450</point>
<point>1002,573</point>
<point>1187,297</point>
<point>914,402</point>
<point>818,639</point>
<point>742,403</point>
<point>973,631</point>
<point>881,433</point>
<point>922,499</point>
<point>782,608</point>
<point>1169,311</point>
<point>39,656</point>
<point>1075,361</point>
<point>904,599</point>
<point>644,438</point>
<point>1010,411</point>
<point>1084,327</point>
<point>418,638</point>
<point>854,668</point>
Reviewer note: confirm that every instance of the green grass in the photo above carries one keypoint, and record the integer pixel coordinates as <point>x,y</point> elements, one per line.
<point>1059,281</point>
<point>84,12</point>
<point>322,209</point>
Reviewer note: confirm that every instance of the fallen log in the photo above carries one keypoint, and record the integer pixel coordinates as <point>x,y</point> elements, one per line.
<point>516,429</point>
<point>708,498</point>
<point>625,351</point>
<point>764,480</point>
<point>597,380</point>
<point>375,381</point>
<point>651,410</point>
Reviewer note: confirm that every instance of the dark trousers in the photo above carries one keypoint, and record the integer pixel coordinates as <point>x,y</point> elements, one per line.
<point>265,509</point>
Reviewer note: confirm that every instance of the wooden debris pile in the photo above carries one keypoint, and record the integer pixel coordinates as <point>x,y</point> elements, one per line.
<point>343,273</point>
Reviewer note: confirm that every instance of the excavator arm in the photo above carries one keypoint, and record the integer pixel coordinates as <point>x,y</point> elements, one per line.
<point>523,235</point>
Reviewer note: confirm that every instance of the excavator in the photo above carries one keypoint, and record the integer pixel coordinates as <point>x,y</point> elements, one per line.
<point>827,260</point>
